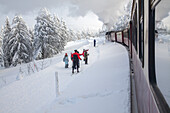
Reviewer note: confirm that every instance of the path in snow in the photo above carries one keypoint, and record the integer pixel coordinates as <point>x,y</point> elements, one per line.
<point>102,86</point>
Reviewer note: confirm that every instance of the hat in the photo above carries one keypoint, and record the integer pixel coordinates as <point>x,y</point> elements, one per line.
<point>65,53</point>
<point>75,50</point>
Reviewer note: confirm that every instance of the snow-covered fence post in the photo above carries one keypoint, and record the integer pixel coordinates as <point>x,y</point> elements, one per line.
<point>20,76</point>
<point>35,66</point>
<point>32,68</point>
<point>28,68</point>
<point>57,84</point>
<point>42,65</point>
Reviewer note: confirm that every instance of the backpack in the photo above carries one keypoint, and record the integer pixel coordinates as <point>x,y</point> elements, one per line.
<point>75,58</point>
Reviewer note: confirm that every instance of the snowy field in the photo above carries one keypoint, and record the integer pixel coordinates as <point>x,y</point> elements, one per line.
<point>163,65</point>
<point>102,86</point>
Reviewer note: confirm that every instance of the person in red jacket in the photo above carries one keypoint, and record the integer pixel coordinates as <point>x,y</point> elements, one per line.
<point>75,58</point>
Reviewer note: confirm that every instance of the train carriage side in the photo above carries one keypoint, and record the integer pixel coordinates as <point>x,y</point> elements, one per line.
<point>149,97</point>
<point>140,37</point>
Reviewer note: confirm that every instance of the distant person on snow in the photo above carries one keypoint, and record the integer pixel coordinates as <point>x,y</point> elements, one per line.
<point>94,42</point>
<point>75,58</point>
<point>66,60</point>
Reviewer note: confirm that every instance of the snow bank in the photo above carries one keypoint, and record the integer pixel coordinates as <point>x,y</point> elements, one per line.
<point>30,94</point>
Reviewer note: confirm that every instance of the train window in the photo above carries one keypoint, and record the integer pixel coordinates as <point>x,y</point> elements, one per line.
<point>112,36</point>
<point>125,34</point>
<point>162,48</point>
<point>119,36</point>
<point>141,33</point>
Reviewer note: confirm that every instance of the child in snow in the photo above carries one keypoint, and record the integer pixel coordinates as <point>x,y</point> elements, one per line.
<point>66,60</point>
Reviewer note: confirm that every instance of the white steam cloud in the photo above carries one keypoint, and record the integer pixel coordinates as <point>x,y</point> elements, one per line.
<point>107,10</point>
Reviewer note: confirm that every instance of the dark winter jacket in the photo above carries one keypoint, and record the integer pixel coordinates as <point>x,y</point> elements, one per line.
<point>85,54</point>
<point>75,56</point>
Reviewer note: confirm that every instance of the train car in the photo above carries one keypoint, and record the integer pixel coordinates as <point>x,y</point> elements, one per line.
<point>140,40</point>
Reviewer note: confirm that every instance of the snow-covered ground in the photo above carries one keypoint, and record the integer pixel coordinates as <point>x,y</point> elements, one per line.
<point>162,45</point>
<point>102,86</point>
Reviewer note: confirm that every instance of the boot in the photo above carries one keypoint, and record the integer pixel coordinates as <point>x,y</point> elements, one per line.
<point>77,70</point>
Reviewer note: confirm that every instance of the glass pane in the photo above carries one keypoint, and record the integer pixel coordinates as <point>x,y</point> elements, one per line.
<point>119,36</point>
<point>162,48</point>
<point>112,36</point>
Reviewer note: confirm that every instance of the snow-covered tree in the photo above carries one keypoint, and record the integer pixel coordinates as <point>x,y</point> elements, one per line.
<point>78,34</point>
<point>1,54</point>
<point>71,35</point>
<point>20,42</point>
<point>83,34</point>
<point>1,58</point>
<point>5,43</point>
<point>46,39</point>
<point>1,37</point>
<point>64,33</point>
<point>60,32</point>
<point>123,21</point>
<point>31,35</point>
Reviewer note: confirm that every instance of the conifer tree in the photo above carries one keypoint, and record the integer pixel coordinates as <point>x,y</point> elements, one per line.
<point>20,42</point>
<point>46,39</point>
<point>59,31</point>
<point>6,33</point>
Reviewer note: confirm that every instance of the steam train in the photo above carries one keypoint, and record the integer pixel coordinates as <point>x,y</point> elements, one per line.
<point>139,38</point>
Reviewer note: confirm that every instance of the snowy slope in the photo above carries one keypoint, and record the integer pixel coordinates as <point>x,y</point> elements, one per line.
<point>102,86</point>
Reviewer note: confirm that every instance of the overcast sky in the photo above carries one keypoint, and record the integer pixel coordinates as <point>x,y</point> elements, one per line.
<point>78,14</point>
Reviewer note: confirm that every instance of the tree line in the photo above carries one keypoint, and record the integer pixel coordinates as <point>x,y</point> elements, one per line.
<point>21,44</point>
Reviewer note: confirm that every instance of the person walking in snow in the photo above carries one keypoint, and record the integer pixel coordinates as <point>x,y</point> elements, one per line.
<point>94,42</point>
<point>75,59</point>
<point>85,56</point>
<point>66,60</point>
